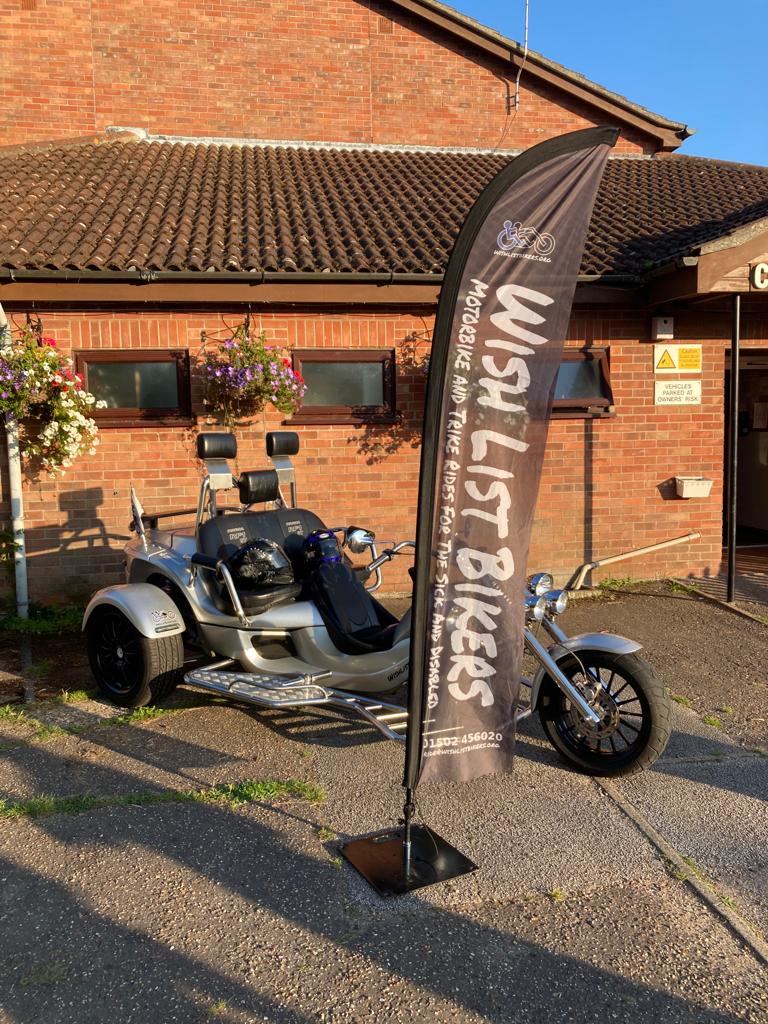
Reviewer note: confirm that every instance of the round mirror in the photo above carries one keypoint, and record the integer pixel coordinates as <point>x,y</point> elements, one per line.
<point>358,540</point>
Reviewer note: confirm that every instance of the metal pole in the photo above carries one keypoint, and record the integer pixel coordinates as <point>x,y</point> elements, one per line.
<point>408,817</point>
<point>733,447</point>
<point>16,495</point>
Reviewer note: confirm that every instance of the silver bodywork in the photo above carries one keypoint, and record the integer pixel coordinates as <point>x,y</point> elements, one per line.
<point>150,610</point>
<point>285,656</point>
<point>166,557</point>
<point>607,643</point>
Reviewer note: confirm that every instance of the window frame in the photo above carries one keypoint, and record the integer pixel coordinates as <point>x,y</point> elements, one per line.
<point>349,414</point>
<point>131,416</point>
<point>586,408</point>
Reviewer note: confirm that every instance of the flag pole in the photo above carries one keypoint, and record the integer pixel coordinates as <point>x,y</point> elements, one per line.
<point>500,326</point>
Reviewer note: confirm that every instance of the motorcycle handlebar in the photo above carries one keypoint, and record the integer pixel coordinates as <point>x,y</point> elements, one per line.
<point>389,553</point>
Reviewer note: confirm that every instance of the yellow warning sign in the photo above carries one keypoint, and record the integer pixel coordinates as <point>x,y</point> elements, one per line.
<point>677,358</point>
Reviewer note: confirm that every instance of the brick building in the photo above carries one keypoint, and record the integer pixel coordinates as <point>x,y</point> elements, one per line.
<point>169,168</point>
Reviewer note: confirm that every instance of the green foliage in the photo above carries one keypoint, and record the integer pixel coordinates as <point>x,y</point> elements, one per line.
<point>41,391</point>
<point>617,583</point>
<point>678,698</point>
<point>8,548</point>
<point>245,374</point>
<point>44,620</point>
<point>12,713</point>
<point>557,895</point>
<point>713,720</point>
<point>72,697</point>
<point>231,794</point>
<point>678,587</point>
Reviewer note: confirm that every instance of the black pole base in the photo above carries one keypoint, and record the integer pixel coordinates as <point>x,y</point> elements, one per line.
<point>380,859</point>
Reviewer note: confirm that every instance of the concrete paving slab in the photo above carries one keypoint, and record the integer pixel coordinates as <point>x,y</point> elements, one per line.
<point>186,913</point>
<point>539,829</point>
<point>715,813</point>
<point>189,749</point>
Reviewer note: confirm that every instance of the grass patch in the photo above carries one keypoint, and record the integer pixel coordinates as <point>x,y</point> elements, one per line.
<point>726,709</point>
<point>217,1009</point>
<point>146,714</point>
<point>325,835</point>
<point>712,720</point>
<point>40,671</point>
<point>12,713</point>
<point>71,697</point>
<point>230,794</point>
<point>44,974</point>
<point>337,862</point>
<point>557,895</point>
<point>681,588</point>
<point>617,583</point>
<point>44,620</point>
<point>679,698</point>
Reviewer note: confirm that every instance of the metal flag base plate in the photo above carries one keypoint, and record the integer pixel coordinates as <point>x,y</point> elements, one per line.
<point>380,860</point>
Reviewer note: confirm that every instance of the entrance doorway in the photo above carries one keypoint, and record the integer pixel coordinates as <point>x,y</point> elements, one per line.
<point>752,476</point>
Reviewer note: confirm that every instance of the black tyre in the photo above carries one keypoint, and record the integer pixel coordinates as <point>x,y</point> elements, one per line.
<point>130,669</point>
<point>637,714</point>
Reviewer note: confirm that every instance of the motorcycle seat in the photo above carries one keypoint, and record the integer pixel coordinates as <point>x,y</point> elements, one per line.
<point>221,537</point>
<point>288,527</point>
<point>356,622</point>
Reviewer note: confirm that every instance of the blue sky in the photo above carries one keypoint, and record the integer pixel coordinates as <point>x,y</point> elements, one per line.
<point>695,61</point>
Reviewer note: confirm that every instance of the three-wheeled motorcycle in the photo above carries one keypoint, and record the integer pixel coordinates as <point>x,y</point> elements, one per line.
<point>267,606</point>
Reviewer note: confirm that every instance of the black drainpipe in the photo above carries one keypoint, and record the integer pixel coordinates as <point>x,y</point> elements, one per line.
<point>733,447</point>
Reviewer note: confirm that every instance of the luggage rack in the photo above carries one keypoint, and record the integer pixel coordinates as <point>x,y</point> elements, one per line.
<point>299,691</point>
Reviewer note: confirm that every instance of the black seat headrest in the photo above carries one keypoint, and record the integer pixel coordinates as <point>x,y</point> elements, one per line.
<point>258,485</point>
<point>282,442</point>
<point>216,445</point>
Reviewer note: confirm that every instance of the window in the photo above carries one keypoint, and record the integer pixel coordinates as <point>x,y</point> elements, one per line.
<point>348,386</point>
<point>141,386</point>
<point>583,385</point>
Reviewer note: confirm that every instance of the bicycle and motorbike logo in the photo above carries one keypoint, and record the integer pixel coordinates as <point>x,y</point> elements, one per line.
<point>521,242</point>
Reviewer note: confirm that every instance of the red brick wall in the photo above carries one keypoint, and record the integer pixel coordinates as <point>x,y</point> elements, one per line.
<point>262,69</point>
<point>602,490</point>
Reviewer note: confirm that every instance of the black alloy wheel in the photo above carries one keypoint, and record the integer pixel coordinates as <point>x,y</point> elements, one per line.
<point>634,705</point>
<point>129,668</point>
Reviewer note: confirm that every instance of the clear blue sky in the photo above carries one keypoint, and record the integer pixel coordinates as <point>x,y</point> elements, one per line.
<point>702,63</point>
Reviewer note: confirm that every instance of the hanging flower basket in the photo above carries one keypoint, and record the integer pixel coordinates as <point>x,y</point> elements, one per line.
<point>41,391</point>
<point>244,375</point>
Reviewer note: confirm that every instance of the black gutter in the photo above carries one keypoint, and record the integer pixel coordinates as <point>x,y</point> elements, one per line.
<point>142,277</point>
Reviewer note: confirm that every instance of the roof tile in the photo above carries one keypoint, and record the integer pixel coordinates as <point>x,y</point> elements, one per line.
<point>200,207</point>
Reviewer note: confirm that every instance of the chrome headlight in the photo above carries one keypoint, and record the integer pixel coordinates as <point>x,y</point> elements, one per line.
<point>540,584</point>
<point>557,601</point>
<point>358,540</point>
<point>535,607</point>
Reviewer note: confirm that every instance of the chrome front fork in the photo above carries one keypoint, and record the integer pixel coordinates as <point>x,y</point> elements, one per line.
<point>544,658</point>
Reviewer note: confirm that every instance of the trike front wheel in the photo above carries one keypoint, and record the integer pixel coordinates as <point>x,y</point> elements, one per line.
<point>636,714</point>
<point>131,669</point>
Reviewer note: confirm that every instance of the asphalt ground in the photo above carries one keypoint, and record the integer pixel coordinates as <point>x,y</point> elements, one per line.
<point>583,908</point>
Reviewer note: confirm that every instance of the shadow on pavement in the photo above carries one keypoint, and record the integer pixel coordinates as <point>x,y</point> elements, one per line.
<point>154,914</point>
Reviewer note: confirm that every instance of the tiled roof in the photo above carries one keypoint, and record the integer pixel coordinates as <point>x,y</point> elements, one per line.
<point>186,207</point>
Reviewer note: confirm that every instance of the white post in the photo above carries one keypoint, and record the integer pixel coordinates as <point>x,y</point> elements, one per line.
<point>17,501</point>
